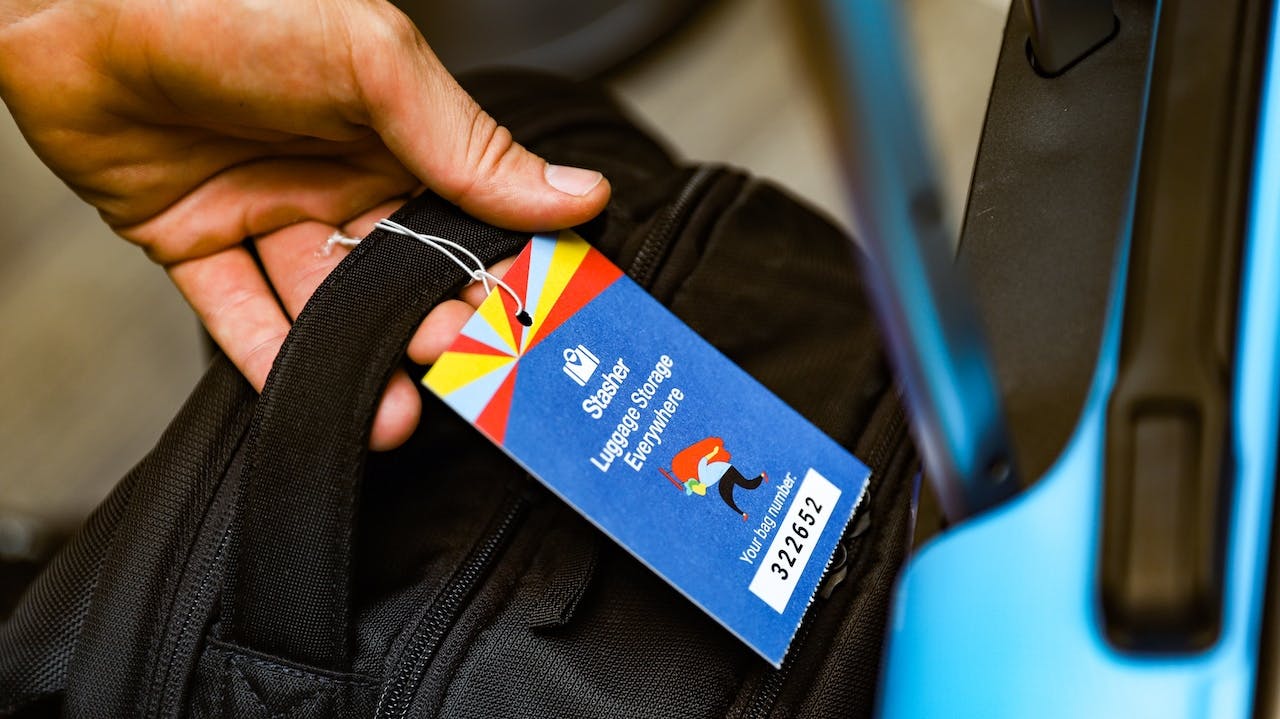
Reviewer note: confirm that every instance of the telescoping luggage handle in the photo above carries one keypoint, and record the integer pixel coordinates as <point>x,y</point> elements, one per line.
<point>287,591</point>
<point>931,326</point>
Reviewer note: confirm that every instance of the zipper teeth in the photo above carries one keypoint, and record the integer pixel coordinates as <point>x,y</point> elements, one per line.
<point>891,436</point>
<point>655,244</point>
<point>166,696</point>
<point>433,626</point>
<point>766,697</point>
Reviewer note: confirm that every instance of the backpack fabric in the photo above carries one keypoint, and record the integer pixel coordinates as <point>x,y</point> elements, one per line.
<point>259,562</point>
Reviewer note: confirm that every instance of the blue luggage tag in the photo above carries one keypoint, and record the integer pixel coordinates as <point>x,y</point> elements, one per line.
<point>655,437</point>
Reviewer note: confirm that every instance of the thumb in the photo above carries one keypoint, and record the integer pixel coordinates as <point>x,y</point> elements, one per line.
<point>456,149</point>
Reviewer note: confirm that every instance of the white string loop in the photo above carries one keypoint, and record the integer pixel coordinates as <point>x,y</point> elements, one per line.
<point>447,248</point>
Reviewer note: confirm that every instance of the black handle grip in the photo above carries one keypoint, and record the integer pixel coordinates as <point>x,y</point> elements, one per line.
<point>1168,454</point>
<point>287,590</point>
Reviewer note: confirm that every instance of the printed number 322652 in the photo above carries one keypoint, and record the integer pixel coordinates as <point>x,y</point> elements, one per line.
<point>795,534</point>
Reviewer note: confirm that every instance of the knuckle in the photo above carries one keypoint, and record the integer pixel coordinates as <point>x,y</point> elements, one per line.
<point>395,28</point>
<point>257,361</point>
<point>489,150</point>
<point>230,306</point>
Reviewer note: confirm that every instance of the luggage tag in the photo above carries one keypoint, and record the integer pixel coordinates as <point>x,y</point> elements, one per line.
<point>655,437</point>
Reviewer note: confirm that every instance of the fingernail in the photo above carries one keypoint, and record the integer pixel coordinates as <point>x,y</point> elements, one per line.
<point>572,180</point>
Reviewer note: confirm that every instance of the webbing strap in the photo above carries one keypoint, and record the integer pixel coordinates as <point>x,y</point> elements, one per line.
<point>288,590</point>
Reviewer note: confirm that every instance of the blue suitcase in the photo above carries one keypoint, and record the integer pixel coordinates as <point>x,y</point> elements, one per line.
<point>1122,242</point>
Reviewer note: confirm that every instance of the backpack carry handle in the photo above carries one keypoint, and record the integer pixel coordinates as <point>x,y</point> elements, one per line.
<point>287,590</point>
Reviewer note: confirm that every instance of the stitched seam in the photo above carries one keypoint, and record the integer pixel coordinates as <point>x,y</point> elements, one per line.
<point>257,697</point>
<point>253,691</point>
<point>236,656</point>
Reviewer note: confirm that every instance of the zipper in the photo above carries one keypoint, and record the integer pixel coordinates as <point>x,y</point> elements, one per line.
<point>398,693</point>
<point>425,639</point>
<point>770,689</point>
<point>162,694</point>
<point>655,245</point>
<point>182,631</point>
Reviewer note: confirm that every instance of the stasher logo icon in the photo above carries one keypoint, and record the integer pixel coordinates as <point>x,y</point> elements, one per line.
<point>580,364</point>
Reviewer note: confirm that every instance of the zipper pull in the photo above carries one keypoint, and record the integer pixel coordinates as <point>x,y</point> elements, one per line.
<point>839,568</point>
<point>836,573</point>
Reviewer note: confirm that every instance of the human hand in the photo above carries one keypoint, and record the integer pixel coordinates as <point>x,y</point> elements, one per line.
<point>194,125</point>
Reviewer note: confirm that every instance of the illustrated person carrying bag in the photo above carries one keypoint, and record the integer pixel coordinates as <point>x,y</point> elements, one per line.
<point>707,463</point>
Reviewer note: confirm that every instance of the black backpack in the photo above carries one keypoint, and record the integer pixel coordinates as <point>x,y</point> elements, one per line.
<point>261,563</point>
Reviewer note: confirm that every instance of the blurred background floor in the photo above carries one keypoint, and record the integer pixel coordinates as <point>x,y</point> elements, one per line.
<point>97,350</point>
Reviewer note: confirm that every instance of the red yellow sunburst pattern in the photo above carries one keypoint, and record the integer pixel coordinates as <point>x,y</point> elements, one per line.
<point>555,276</point>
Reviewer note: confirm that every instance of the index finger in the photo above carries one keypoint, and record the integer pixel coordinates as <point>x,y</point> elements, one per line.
<point>237,306</point>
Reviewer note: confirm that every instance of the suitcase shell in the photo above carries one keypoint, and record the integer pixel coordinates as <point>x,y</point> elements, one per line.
<point>999,616</point>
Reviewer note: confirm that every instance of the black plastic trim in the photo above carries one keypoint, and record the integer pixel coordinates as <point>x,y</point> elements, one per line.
<point>1063,32</point>
<point>1166,494</point>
